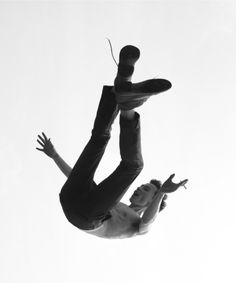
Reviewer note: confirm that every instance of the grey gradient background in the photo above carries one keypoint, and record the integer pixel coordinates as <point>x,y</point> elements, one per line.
<point>54,60</point>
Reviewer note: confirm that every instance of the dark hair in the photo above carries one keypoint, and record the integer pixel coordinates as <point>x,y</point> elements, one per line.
<point>157,184</point>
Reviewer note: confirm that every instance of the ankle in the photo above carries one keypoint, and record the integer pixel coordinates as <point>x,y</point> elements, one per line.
<point>124,74</point>
<point>128,114</point>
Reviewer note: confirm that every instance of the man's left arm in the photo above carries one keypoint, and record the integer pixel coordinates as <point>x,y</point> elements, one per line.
<point>150,213</point>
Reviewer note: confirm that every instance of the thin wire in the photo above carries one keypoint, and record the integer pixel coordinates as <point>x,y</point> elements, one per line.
<point>112,51</point>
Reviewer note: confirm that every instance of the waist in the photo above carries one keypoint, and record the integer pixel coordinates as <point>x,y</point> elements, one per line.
<point>80,221</point>
<point>79,218</point>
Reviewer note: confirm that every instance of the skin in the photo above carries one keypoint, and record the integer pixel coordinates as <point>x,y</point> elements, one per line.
<point>141,197</point>
<point>144,199</point>
<point>47,146</point>
<point>144,195</point>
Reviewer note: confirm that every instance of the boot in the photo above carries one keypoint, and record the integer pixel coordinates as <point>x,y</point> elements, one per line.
<point>130,96</point>
<point>129,54</point>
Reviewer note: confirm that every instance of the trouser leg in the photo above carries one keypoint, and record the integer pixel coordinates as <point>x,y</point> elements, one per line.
<point>80,181</point>
<point>111,190</point>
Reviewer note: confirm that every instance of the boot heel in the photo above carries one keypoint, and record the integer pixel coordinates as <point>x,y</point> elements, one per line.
<point>129,54</point>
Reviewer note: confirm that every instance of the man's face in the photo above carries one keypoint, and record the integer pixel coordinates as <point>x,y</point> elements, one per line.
<point>143,195</point>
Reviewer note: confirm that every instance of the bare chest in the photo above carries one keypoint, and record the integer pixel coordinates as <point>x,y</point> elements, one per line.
<point>124,222</point>
<point>124,213</point>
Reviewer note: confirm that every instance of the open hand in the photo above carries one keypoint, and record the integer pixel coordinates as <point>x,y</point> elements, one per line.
<point>48,147</point>
<point>169,187</point>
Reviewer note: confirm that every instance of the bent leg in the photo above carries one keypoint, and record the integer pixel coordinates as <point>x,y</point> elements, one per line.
<point>112,189</point>
<point>80,181</point>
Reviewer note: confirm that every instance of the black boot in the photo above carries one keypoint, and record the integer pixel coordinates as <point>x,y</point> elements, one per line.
<point>138,93</point>
<point>128,56</point>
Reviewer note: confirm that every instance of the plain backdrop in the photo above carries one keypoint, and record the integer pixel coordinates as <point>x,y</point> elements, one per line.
<point>54,60</point>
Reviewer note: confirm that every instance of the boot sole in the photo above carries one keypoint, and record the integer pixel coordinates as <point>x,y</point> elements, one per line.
<point>131,92</point>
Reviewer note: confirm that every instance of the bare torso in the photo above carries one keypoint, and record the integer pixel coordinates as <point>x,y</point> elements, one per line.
<point>124,223</point>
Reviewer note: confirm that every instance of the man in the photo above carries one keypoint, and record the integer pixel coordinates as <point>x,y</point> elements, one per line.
<point>96,208</point>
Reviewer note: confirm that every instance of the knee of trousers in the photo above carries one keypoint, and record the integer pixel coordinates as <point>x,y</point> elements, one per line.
<point>100,139</point>
<point>134,166</point>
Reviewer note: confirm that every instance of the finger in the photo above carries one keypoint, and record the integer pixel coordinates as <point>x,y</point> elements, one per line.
<point>183,182</point>
<point>39,149</point>
<point>41,139</point>
<point>44,136</point>
<point>40,143</point>
<point>171,176</point>
<point>165,198</point>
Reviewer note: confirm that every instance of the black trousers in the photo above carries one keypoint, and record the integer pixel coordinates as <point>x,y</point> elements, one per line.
<point>85,203</point>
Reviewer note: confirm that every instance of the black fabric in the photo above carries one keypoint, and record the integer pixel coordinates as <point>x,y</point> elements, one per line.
<point>85,203</point>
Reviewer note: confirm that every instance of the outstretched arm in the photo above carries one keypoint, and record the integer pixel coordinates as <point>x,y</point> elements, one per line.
<point>152,210</point>
<point>50,151</point>
<point>150,213</point>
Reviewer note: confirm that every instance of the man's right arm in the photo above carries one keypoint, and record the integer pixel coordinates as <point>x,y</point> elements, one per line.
<point>63,166</point>
<point>49,150</point>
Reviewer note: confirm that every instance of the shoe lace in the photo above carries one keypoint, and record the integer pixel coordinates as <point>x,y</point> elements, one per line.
<point>112,51</point>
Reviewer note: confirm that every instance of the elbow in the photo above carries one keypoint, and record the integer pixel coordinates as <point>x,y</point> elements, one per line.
<point>143,229</point>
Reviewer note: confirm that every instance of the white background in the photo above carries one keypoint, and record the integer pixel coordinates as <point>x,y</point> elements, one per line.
<point>54,60</point>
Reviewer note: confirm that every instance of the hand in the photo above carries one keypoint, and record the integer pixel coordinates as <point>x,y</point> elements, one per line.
<point>169,187</point>
<point>48,147</point>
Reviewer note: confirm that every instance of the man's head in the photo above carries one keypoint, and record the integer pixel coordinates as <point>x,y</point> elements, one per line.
<point>144,194</point>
